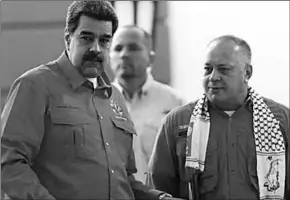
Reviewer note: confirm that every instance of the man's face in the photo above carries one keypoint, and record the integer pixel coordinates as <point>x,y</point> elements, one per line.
<point>129,54</point>
<point>224,72</point>
<point>88,47</point>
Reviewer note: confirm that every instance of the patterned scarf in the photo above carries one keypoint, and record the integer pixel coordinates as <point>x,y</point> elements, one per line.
<point>270,147</point>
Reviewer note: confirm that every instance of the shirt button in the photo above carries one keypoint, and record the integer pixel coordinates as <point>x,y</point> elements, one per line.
<point>112,171</point>
<point>107,144</point>
<point>101,117</point>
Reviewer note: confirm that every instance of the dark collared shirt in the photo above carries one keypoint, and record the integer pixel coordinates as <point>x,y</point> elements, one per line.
<point>62,139</point>
<point>230,165</point>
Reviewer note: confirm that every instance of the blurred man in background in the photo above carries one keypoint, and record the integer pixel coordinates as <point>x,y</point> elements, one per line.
<point>66,132</point>
<point>147,100</point>
<point>231,143</point>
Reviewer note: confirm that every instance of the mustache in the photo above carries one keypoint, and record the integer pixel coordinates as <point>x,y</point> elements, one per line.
<point>94,57</point>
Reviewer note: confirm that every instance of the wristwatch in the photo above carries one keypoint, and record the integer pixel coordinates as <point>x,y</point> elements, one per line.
<point>163,195</point>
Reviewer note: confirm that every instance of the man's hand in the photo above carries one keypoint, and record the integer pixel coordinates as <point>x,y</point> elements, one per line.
<point>166,196</point>
<point>172,198</point>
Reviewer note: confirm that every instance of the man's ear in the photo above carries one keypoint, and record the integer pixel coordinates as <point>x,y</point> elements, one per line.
<point>152,56</point>
<point>67,40</point>
<point>248,72</point>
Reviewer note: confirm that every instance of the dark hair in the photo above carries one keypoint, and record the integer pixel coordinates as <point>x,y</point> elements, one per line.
<point>97,9</point>
<point>245,47</point>
<point>147,36</point>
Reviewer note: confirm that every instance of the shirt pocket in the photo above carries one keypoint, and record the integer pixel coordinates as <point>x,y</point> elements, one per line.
<point>181,143</point>
<point>181,152</point>
<point>68,128</point>
<point>124,130</point>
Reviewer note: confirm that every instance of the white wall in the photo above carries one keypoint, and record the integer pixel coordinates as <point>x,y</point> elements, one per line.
<point>264,25</point>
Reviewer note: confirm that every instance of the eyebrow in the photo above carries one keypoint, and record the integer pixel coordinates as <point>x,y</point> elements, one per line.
<point>86,33</point>
<point>108,36</point>
<point>219,65</point>
<point>225,65</point>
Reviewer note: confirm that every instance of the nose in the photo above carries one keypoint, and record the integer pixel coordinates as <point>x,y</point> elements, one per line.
<point>215,75</point>
<point>95,47</point>
<point>124,53</point>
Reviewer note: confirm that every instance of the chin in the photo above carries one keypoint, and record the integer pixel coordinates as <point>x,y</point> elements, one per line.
<point>126,76</point>
<point>91,72</point>
<point>213,97</point>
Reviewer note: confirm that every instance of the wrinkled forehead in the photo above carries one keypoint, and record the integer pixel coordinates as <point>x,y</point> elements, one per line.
<point>126,36</point>
<point>94,26</point>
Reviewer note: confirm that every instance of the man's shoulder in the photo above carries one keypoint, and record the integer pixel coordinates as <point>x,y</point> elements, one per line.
<point>280,111</point>
<point>35,76</point>
<point>179,117</point>
<point>157,85</point>
<point>166,91</point>
<point>183,110</point>
<point>38,72</point>
<point>275,106</point>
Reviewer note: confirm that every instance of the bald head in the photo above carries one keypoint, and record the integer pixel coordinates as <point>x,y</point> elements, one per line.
<point>234,44</point>
<point>131,53</point>
<point>135,32</point>
<point>227,71</point>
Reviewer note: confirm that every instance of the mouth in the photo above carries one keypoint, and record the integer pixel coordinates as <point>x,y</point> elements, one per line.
<point>215,89</point>
<point>92,63</point>
<point>125,66</point>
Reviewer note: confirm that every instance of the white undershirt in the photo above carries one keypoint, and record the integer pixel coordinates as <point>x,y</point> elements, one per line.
<point>94,81</point>
<point>230,113</point>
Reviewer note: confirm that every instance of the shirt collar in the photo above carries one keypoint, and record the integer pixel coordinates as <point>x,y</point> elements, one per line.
<point>146,86</point>
<point>72,75</point>
<point>143,90</point>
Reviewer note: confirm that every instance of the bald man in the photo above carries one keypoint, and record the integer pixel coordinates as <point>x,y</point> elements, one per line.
<point>231,143</point>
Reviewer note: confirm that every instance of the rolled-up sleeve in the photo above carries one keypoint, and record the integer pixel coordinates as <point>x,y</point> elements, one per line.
<point>22,132</point>
<point>162,170</point>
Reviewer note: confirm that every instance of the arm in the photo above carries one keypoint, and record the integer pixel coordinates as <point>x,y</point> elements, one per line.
<point>161,166</point>
<point>287,144</point>
<point>140,190</point>
<point>22,132</point>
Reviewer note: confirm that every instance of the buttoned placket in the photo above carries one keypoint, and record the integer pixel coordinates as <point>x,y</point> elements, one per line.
<point>103,117</point>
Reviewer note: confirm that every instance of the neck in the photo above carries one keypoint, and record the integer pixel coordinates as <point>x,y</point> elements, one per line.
<point>132,85</point>
<point>234,103</point>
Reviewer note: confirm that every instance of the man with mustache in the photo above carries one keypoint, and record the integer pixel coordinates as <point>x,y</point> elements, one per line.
<point>66,132</point>
<point>229,144</point>
<point>147,100</point>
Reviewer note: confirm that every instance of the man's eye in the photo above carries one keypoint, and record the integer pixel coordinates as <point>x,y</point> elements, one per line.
<point>134,48</point>
<point>118,48</point>
<point>207,69</point>
<point>105,41</point>
<point>87,39</point>
<point>224,70</point>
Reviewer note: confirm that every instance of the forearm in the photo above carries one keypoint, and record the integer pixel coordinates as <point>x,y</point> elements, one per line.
<point>142,191</point>
<point>22,123</point>
<point>18,180</point>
